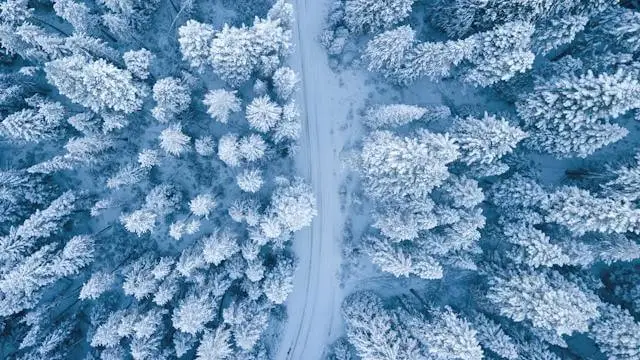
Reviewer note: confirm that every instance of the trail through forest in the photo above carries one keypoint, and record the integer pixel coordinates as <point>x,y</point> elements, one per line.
<point>314,306</point>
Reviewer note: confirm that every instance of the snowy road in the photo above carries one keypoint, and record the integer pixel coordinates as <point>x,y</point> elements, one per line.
<point>314,306</point>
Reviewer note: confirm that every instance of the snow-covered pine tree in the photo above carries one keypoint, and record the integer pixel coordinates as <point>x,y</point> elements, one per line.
<point>172,98</point>
<point>371,16</point>
<point>374,332</point>
<point>568,114</point>
<point>485,140</point>
<point>547,299</point>
<point>221,104</point>
<point>97,85</point>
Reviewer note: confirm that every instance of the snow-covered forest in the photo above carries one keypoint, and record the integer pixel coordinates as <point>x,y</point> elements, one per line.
<point>319,179</point>
<point>504,207</point>
<point>148,195</point>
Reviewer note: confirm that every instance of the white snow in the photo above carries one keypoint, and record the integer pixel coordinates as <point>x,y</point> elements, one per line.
<point>314,319</point>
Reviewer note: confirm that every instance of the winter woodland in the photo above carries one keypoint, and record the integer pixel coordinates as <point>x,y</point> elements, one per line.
<point>152,198</point>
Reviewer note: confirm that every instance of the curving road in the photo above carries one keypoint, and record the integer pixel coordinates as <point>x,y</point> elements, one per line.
<point>314,306</point>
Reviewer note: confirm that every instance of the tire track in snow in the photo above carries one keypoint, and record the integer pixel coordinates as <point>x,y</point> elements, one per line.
<point>312,305</point>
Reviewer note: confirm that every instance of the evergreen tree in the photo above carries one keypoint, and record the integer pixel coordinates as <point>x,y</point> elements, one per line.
<point>581,212</point>
<point>546,299</point>
<point>567,110</point>
<point>97,85</point>
<point>174,141</point>
<point>485,141</point>
<point>215,345</point>
<point>617,333</point>
<point>371,16</point>
<point>374,333</point>
<point>263,114</point>
<point>172,97</point>
<point>221,104</point>
<point>403,168</point>
<point>393,115</point>
<point>193,312</point>
<point>294,205</point>
<point>500,54</point>
<point>42,122</point>
<point>285,81</point>
<point>387,53</point>
<point>278,283</point>
<point>195,43</point>
<point>138,62</point>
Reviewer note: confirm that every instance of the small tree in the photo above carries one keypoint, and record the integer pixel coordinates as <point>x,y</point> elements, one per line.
<point>487,140</point>
<point>263,114</point>
<point>393,115</point>
<point>221,103</point>
<point>172,97</point>
<point>174,141</point>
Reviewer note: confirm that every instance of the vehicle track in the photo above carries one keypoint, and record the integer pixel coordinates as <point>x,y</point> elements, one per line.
<point>312,305</point>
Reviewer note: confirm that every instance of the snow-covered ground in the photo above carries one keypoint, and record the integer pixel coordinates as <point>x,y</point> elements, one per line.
<point>313,308</point>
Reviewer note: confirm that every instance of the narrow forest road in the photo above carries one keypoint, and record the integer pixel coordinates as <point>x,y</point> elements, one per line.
<point>314,306</point>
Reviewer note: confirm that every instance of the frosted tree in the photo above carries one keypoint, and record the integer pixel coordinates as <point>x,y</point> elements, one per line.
<point>228,150</point>
<point>289,126</point>
<point>139,221</point>
<point>77,14</point>
<point>557,32</point>
<point>411,167</point>
<point>546,299</point>
<point>221,103</point>
<point>491,336</point>
<point>282,11</point>
<point>215,345</point>
<point>174,141</point>
<point>393,115</point>
<point>250,180</point>
<point>172,97</point>
<point>436,60</point>
<point>285,81</point>
<point>195,43</point>
<point>193,312</point>
<point>388,52</point>
<point>42,122</point>
<point>248,320</point>
<point>202,205</point>
<point>581,212</point>
<point>252,147</point>
<point>139,62</point>
<point>485,140</point>
<point>373,332</point>
<point>371,16</point>
<point>219,246</point>
<point>205,146</point>
<point>44,267</point>
<point>97,85</point>
<point>294,205</point>
<point>98,284</point>
<point>625,184</point>
<point>617,333</point>
<point>500,54</point>
<point>15,11</point>
<point>263,114</point>
<point>621,24</point>
<point>402,260</point>
<point>127,175</point>
<point>278,282</point>
<point>41,224</point>
<point>447,336</point>
<point>231,54</point>
<point>569,112</point>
